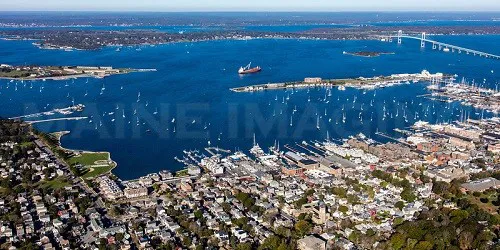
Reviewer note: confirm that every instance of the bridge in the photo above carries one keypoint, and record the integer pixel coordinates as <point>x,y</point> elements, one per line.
<point>439,45</point>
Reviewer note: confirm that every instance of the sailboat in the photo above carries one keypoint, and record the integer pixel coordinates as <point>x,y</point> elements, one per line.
<point>156,111</point>
<point>139,97</point>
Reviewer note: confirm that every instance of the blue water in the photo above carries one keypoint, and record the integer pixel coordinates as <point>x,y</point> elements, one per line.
<point>193,81</point>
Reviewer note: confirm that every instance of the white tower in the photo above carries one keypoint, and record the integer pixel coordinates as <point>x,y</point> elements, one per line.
<point>400,33</point>
<point>422,41</point>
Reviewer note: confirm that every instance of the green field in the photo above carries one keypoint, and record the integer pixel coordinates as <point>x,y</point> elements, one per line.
<point>97,171</point>
<point>88,159</point>
<point>89,162</point>
<point>56,183</point>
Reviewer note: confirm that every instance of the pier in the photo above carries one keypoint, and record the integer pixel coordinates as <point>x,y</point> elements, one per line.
<point>63,111</point>
<point>439,45</point>
<point>211,150</point>
<point>360,82</point>
<point>59,119</point>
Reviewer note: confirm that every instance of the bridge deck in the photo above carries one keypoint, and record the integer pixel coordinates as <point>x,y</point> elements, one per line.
<point>451,46</point>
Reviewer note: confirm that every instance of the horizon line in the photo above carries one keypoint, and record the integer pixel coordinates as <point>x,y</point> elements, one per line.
<point>263,11</point>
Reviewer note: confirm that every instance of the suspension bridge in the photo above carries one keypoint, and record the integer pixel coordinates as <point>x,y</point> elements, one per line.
<point>439,45</point>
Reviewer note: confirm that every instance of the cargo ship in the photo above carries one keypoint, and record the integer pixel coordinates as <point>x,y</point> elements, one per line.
<point>248,70</point>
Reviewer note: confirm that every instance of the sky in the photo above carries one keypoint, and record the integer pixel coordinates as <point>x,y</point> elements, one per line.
<point>252,5</point>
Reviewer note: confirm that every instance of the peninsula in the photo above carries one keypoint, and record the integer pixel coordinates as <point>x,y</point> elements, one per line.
<point>60,72</point>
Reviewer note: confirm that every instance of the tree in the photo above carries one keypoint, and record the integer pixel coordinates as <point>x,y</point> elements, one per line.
<point>343,209</point>
<point>198,214</point>
<point>440,187</point>
<point>397,241</point>
<point>465,240</point>
<point>119,236</point>
<point>400,205</point>
<point>458,216</point>
<point>244,246</point>
<point>408,195</point>
<point>423,245</point>
<point>302,227</point>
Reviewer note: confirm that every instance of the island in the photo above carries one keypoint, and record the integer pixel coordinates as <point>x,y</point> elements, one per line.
<point>35,72</point>
<point>368,53</point>
<point>359,82</point>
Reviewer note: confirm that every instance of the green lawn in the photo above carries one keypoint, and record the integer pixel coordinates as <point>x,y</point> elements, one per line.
<point>88,159</point>
<point>97,171</point>
<point>489,207</point>
<point>181,173</point>
<point>56,183</point>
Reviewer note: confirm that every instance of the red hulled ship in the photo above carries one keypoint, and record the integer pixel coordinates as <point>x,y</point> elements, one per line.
<point>248,70</point>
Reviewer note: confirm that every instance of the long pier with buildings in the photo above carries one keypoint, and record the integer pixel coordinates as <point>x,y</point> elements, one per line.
<point>360,82</point>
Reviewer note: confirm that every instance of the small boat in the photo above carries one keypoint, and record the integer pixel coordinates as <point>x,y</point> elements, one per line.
<point>248,70</point>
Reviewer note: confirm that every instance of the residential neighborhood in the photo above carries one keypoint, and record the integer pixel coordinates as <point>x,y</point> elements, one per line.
<point>354,194</point>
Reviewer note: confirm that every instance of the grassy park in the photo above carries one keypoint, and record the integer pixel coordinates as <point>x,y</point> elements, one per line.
<point>94,164</point>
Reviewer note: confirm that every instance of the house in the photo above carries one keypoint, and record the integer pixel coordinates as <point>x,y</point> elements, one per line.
<point>240,234</point>
<point>222,236</point>
<point>131,193</point>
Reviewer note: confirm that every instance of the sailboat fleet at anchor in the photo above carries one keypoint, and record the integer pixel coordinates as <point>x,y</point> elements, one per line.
<point>338,107</point>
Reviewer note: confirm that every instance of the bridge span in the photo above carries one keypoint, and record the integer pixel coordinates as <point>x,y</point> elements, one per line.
<point>441,46</point>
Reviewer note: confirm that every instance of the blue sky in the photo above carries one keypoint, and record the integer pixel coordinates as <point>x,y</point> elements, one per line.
<point>254,5</point>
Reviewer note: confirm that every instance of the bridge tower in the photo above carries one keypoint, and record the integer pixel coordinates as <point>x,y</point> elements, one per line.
<point>422,41</point>
<point>400,33</point>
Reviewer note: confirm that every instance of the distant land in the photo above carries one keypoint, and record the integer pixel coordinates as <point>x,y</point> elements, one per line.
<point>368,53</point>
<point>60,72</point>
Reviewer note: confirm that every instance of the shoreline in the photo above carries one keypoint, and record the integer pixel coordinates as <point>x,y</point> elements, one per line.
<point>69,48</point>
<point>75,76</point>
<point>307,36</point>
<point>60,134</point>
